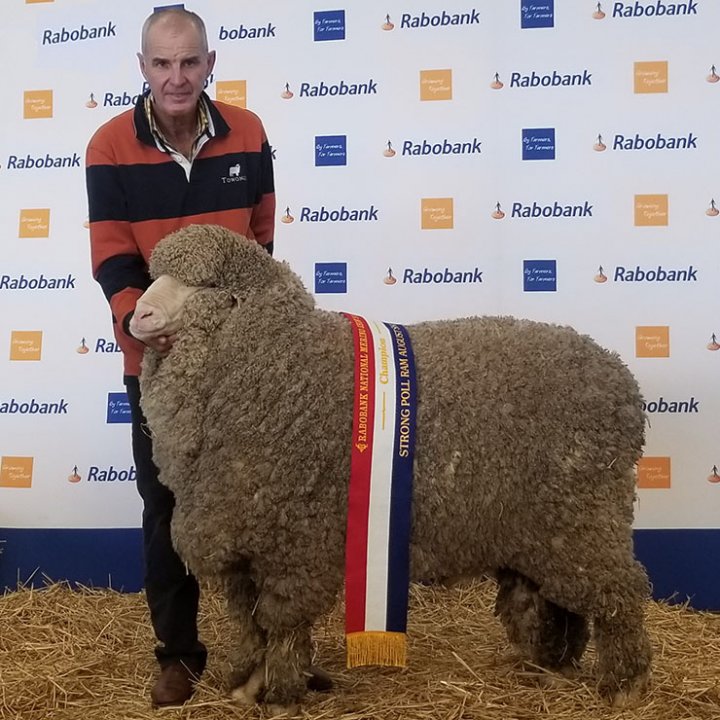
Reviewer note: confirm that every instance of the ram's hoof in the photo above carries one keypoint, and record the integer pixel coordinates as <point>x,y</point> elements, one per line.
<point>630,694</point>
<point>292,710</point>
<point>247,694</point>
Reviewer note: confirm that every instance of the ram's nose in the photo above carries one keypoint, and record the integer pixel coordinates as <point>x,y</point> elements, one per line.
<point>146,319</point>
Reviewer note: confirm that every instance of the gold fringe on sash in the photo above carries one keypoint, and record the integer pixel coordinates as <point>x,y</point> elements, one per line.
<point>376,648</point>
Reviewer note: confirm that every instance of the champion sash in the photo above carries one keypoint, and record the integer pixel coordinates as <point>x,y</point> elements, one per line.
<point>377,555</point>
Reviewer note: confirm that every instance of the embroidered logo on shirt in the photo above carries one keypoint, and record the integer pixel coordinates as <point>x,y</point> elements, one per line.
<point>234,174</point>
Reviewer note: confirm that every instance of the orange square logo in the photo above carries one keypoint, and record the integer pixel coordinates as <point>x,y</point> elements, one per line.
<point>653,473</point>
<point>651,77</point>
<point>651,210</point>
<point>652,341</point>
<point>436,213</point>
<point>436,84</point>
<point>232,92</point>
<point>34,223</point>
<point>16,472</point>
<point>33,2</point>
<point>26,345</point>
<point>38,104</point>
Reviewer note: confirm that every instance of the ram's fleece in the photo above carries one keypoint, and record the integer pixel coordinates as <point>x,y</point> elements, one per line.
<point>527,438</point>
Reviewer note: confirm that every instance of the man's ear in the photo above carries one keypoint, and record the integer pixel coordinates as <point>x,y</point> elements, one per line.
<point>141,62</point>
<point>211,62</point>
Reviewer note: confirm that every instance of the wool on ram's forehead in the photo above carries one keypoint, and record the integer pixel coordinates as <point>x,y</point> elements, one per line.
<point>212,256</point>
<point>527,438</point>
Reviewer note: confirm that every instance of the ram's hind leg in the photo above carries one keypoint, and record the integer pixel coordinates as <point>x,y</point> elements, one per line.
<point>247,653</point>
<point>550,636</point>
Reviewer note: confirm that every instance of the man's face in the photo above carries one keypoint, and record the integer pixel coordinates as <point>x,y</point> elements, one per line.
<point>175,66</point>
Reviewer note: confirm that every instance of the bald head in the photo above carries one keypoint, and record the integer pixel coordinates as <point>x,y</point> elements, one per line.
<point>172,20</point>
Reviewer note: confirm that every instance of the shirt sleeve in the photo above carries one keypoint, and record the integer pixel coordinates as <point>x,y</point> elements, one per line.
<point>117,263</point>
<point>262,221</point>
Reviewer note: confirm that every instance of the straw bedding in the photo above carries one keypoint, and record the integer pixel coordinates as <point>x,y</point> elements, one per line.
<point>87,655</point>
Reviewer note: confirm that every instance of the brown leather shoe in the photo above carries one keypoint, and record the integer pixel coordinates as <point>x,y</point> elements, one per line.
<point>319,680</point>
<point>174,685</point>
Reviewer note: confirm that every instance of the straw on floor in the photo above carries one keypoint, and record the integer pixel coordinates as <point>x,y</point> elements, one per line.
<point>87,655</point>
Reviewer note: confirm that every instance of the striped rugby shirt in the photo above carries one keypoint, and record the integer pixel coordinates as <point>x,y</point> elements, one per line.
<point>137,194</point>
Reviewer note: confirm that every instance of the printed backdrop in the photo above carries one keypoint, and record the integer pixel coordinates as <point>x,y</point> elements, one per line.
<point>553,160</point>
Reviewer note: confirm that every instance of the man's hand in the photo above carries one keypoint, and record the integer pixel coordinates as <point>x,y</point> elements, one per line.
<point>161,344</point>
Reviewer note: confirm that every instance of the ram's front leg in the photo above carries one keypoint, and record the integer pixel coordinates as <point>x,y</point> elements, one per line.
<point>247,644</point>
<point>287,660</point>
<point>285,615</point>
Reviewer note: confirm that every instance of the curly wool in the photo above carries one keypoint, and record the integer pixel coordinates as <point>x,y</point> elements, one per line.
<point>527,438</point>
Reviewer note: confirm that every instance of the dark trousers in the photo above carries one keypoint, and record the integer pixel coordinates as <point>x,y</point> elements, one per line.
<point>172,593</point>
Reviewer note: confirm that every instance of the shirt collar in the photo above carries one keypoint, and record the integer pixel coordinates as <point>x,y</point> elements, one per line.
<point>205,125</point>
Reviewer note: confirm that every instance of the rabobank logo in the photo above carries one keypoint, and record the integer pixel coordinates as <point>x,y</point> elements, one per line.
<point>714,476</point>
<point>430,19</point>
<point>713,345</point>
<point>537,14</point>
<point>431,146</point>
<point>652,9</point>
<point>338,214</point>
<point>42,161</point>
<point>330,278</point>
<point>713,77</point>
<point>33,406</point>
<point>628,141</point>
<point>74,476</point>
<point>118,408</point>
<point>55,36</point>
<point>37,282</point>
<point>548,79</point>
<point>246,32</point>
<point>542,210</point>
<point>643,274</point>
<point>16,472</point>
<point>116,98</point>
<point>662,406</point>
<point>329,25</point>
<point>102,346</point>
<point>287,217</point>
<point>110,473</point>
<point>390,279</point>
<point>338,88</point>
<point>330,150</point>
<point>435,276</point>
<point>539,275</point>
<point>538,144</point>
<point>712,209</point>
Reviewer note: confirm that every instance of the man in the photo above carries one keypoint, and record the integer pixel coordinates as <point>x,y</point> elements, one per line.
<point>176,159</point>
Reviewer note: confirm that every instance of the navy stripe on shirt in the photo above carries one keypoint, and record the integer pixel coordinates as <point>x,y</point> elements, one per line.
<point>161,191</point>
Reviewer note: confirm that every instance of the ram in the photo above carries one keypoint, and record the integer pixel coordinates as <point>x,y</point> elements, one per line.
<point>527,439</point>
